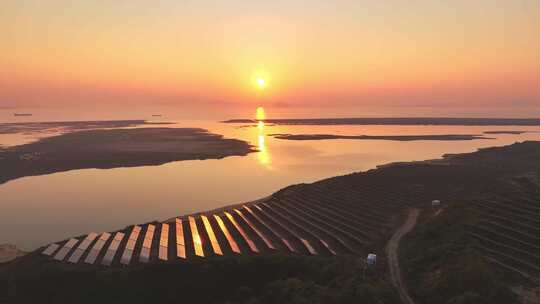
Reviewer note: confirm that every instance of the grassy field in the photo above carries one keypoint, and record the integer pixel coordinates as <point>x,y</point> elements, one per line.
<point>441,264</point>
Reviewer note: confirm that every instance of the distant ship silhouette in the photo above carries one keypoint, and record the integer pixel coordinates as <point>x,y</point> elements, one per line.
<point>22,114</point>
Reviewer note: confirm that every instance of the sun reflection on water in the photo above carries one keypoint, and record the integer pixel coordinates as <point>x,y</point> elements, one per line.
<point>263,156</point>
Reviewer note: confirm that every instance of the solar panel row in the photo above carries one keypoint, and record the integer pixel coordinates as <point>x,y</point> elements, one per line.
<point>257,231</point>
<point>51,249</point>
<point>228,236</point>
<point>244,235</point>
<point>305,228</point>
<point>180,241</point>
<point>113,247</point>
<point>76,255</point>
<point>305,242</point>
<point>164,242</point>
<point>147,244</point>
<point>61,254</point>
<point>197,241</point>
<point>130,246</point>
<point>96,249</point>
<point>278,235</point>
<point>213,240</point>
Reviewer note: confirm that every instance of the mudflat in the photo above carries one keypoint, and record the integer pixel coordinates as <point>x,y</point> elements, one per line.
<point>111,148</point>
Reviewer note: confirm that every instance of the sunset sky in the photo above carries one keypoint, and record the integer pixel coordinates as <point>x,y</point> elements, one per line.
<point>479,57</point>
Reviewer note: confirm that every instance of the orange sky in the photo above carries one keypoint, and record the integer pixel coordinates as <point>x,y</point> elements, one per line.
<point>406,54</point>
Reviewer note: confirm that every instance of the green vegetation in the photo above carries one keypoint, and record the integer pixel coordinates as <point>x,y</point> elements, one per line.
<point>442,266</point>
<point>270,279</point>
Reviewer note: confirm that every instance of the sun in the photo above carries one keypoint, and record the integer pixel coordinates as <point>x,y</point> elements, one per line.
<point>260,83</point>
<point>261,80</point>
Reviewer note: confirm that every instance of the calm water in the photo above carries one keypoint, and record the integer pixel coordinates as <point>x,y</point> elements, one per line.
<point>38,210</point>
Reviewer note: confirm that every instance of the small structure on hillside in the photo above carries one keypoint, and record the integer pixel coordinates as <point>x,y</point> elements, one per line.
<point>371,260</point>
<point>435,203</point>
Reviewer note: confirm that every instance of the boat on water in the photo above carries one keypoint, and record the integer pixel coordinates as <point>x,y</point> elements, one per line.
<point>22,114</point>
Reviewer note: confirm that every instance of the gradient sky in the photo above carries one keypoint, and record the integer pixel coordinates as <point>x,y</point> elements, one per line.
<point>482,55</point>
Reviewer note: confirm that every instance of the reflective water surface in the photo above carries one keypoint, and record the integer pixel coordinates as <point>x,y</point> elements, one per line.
<point>38,210</point>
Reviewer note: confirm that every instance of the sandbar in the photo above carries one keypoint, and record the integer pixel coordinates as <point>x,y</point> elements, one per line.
<point>112,148</point>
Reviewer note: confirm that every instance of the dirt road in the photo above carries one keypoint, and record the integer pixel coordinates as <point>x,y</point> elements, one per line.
<point>392,253</point>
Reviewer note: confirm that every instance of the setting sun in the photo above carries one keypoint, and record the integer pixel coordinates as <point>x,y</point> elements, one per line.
<point>260,79</point>
<point>261,83</point>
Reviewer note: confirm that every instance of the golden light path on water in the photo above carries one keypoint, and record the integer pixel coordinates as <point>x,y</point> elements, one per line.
<point>263,155</point>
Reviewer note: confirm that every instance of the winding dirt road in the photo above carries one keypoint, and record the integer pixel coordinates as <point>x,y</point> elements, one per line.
<point>392,253</point>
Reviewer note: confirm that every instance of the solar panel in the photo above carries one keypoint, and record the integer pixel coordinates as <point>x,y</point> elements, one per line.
<point>259,233</point>
<point>113,247</point>
<point>211,235</point>
<point>197,241</point>
<point>180,242</point>
<point>61,254</point>
<point>130,246</point>
<point>250,243</point>
<point>76,256</point>
<point>147,244</point>
<point>228,236</point>
<point>51,249</point>
<point>164,242</point>
<point>279,235</point>
<point>96,249</point>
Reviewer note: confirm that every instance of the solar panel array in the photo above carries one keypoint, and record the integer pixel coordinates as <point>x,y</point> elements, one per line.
<point>330,219</point>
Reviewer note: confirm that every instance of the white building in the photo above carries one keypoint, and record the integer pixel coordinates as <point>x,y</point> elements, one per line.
<point>371,259</point>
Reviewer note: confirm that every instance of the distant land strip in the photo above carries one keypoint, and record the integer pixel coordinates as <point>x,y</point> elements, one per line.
<point>71,126</point>
<point>505,132</point>
<point>379,137</point>
<point>442,121</point>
